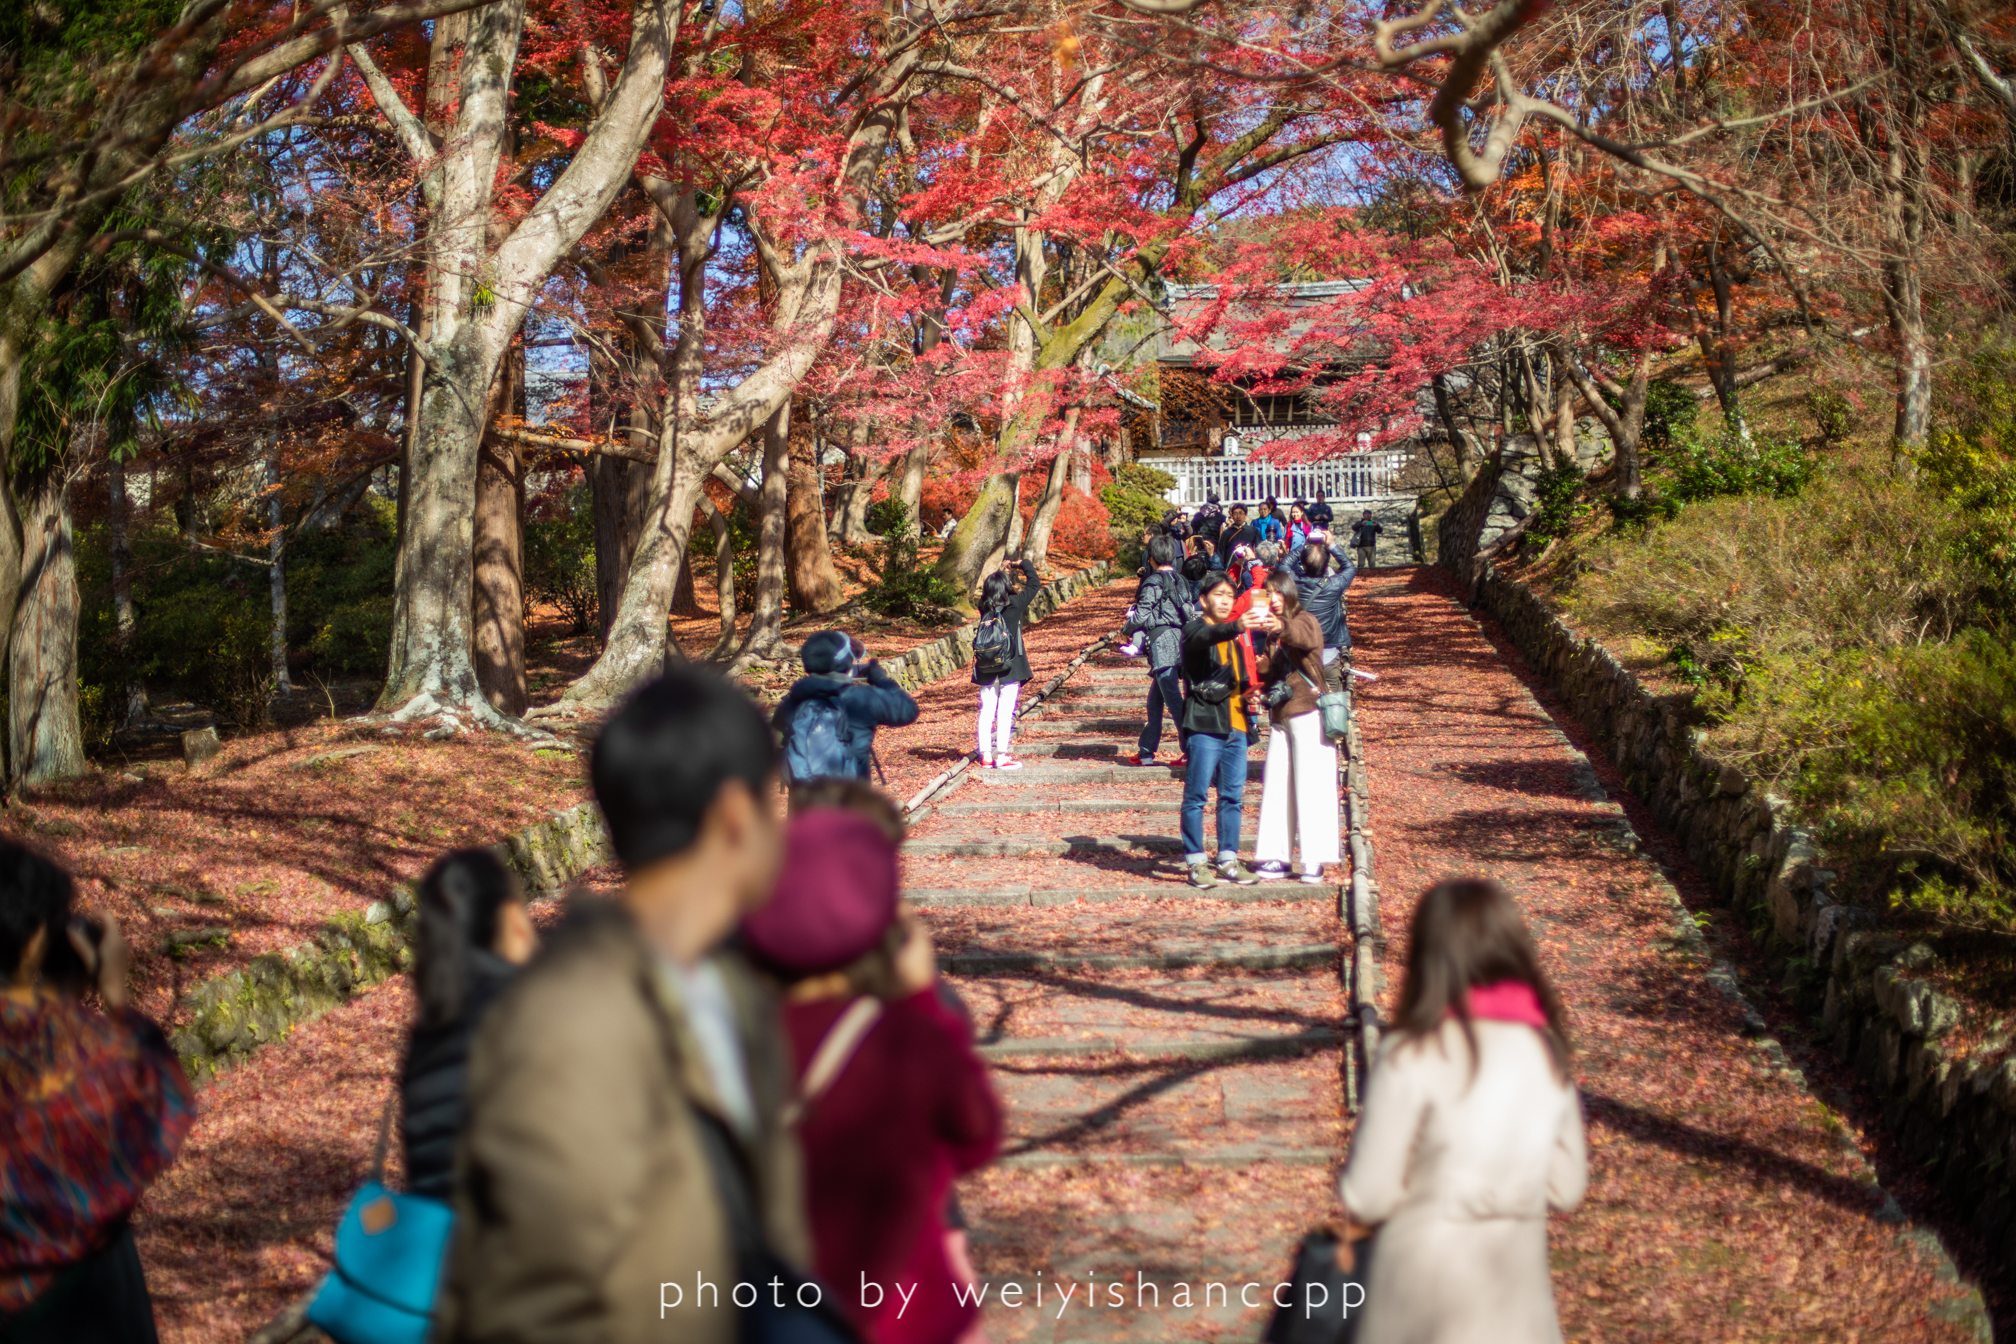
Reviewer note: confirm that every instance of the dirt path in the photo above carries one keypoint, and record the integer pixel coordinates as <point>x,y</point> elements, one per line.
<point>1725,1202</point>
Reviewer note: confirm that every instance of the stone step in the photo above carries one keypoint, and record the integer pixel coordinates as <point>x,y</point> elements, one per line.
<point>1255,1047</point>
<point>1037,776</point>
<point>1111,727</point>
<point>1159,802</point>
<point>1245,1155</point>
<point>1231,958</point>
<point>1023,894</point>
<point>1008,846</point>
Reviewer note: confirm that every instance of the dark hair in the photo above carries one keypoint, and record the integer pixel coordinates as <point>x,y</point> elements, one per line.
<point>1211,582</point>
<point>1282,582</point>
<point>852,795</point>
<point>459,900</point>
<point>1315,559</point>
<point>1239,508</point>
<point>994,591</point>
<point>660,761</point>
<point>1468,933</point>
<point>1164,551</point>
<point>35,893</point>
<point>1210,496</point>
<point>1195,567</point>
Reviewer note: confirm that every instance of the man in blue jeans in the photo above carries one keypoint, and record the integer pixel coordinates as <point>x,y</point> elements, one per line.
<point>1161,606</point>
<point>1215,664</point>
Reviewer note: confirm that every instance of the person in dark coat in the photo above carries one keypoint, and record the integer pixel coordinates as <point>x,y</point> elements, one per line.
<point>1237,532</point>
<point>1320,513</point>
<point>1218,666</point>
<point>868,696</point>
<point>1321,577</point>
<point>474,935</point>
<point>1001,684</point>
<point>1161,608</point>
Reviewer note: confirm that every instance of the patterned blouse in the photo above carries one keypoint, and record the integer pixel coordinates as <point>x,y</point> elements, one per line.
<point>92,1108</point>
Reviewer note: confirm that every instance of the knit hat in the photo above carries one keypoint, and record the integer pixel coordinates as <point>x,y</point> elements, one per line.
<point>835,896</point>
<point>827,651</point>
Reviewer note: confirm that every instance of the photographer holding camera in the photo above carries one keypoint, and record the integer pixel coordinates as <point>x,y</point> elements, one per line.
<point>96,1105</point>
<point>828,719</point>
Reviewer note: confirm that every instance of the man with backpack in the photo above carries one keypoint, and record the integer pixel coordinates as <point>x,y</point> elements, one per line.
<point>828,719</point>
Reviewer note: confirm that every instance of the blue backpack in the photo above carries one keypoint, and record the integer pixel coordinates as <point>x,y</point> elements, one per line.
<point>816,747</point>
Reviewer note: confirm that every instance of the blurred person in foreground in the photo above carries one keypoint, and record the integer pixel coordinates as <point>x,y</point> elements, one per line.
<point>473,936</point>
<point>626,1129</point>
<point>896,1103</point>
<point>93,1105</point>
<point>1471,1133</point>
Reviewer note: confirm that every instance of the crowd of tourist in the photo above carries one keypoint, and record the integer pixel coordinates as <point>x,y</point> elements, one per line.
<point>744,1069</point>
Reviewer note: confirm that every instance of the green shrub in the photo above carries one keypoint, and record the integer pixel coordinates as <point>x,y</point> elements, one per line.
<point>1727,463</point>
<point>886,515</point>
<point>907,589</point>
<point>560,561</point>
<point>1557,502</point>
<point>355,638</point>
<point>1137,497</point>
<point>1832,415</point>
<point>1670,411</point>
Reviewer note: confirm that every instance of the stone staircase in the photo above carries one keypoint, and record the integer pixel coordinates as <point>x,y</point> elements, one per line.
<point>1170,1058</point>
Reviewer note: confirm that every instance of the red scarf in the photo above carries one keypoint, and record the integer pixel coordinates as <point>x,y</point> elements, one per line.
<point>1508,1001</point>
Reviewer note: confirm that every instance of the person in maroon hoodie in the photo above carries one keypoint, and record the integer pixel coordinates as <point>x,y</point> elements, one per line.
<point>895,1101</point>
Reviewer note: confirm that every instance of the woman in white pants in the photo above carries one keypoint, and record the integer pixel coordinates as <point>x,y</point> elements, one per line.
<point>1298,798</point>
<point>1000,675</point>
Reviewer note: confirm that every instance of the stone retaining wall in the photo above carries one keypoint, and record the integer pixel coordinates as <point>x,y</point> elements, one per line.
<point>1956,1118</point>
<point>949,653</point>
<point>235,1014</point>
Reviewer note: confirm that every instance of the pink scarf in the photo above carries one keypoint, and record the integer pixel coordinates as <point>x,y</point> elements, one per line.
<point>1508,1001</point>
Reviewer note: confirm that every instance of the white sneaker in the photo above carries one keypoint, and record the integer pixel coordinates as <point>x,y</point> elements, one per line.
<point>1363,675</point>
<point>1007,763</point>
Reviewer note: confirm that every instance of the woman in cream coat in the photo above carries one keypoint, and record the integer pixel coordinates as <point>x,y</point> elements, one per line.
<point>1470,1134</point>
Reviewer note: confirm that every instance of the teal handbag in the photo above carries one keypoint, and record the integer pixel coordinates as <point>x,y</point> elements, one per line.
<point>390,1249</point>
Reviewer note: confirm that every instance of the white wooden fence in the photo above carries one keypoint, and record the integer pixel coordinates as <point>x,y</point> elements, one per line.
<point>1241,481</point>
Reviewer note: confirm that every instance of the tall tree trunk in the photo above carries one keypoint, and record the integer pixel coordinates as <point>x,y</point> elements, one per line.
<point>1718,348</point>
<point>724,576</point>
<point>276,556</point>
<point>498,584</point>
<point>910,488</point>
<point>45,738</point>
<point>616,488</point>
<point>479,289</point>
<point>1037,545</point>
<point>1903,283</point>
<point>815,584</point>
<point>766,619</point>
<point>979,536</point>
<point>119,525</point>
<point>852,515</point>
<point>1461,441</point>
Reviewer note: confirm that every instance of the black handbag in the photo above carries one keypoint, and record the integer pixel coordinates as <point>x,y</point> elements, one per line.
<point>1325,1303</point>
<point>763,1321</point>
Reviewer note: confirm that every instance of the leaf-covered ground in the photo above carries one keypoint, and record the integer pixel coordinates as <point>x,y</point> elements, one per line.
<point>1725,1203</point>
<point>255,850</point>
<point>242,1223</point>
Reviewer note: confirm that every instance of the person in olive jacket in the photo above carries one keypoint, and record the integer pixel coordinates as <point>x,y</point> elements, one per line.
<point>1215,713</point>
